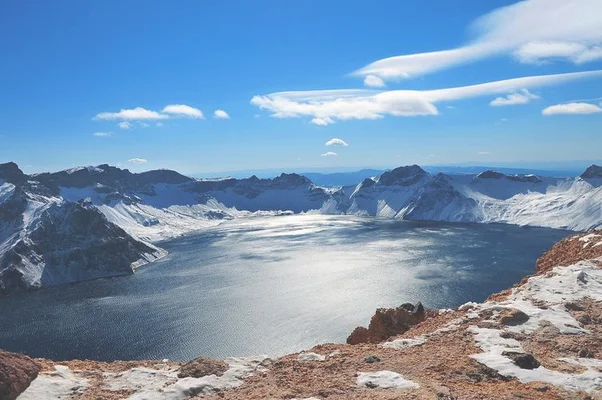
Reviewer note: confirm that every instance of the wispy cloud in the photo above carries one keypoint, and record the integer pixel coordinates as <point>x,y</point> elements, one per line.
<point>133,114</point>
<point>327,106</point>
<point>572,108</point>
<point>182,110</point>
<point>329,154</point>
<point>143,114</point>
<point>138,160</point>
<point>521,97</point>
<point>336,142</point>
<point>483,153</point>
<point>531,31</point>
<point>220,114</point>
<point>102,134</point>
<point>124,125</point>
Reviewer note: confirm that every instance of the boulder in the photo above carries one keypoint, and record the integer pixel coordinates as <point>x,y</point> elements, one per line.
<point>512,316</point>
<point>201,366</point>
<point>16,373</point>
<point>522,360</point>
<point>388,322</point>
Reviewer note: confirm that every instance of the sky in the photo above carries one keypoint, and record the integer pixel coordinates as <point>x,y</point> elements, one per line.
<point>211,86</point>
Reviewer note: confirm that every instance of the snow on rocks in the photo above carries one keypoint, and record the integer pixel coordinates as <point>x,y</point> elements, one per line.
<point>384,380</point>
<point>309,356</point>
<point>62,383</point>
<point>541,301</point>
<point>149,384</point>
<point>494,348</point>
<point>405,342</point>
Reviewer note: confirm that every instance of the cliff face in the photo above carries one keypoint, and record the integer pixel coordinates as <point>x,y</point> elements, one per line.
<point>539,340</point>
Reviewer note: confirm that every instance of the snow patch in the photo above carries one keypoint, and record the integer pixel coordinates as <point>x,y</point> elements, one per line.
<point>404,343</point>
<point>164,384</point>
<point>56,385</point>
<point>554,290</point>
<point>384,380</point>
<point>311,357</point>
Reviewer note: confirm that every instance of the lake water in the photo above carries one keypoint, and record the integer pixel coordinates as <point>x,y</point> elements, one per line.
<point>270,286</point>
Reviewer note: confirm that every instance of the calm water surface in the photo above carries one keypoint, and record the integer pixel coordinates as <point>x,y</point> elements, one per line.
<point>270,286</point>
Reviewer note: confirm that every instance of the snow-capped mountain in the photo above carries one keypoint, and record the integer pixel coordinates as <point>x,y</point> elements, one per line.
<point>90,222</point>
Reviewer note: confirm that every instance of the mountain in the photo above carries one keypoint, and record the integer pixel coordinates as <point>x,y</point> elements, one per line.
<point>91,222</point>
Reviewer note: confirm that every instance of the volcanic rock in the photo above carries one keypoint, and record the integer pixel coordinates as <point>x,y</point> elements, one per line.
<point>16,373</point>
<point>388,322</point>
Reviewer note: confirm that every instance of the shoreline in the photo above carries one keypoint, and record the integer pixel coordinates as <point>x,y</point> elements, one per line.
<point>526,339</point>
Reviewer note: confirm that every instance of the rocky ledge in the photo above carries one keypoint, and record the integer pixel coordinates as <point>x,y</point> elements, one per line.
<point>539,340</point>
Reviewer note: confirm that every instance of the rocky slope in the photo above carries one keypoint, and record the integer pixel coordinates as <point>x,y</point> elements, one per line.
<point>539,340</point>
<point>45,241</point>
<point>91,222</point>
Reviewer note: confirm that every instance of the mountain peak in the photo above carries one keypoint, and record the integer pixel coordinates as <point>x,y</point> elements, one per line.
<point>593,171</point>
<point>11,172</point>
<point>404,176</point>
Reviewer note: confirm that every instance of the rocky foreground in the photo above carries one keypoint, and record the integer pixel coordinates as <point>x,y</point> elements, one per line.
<point>539,340</point>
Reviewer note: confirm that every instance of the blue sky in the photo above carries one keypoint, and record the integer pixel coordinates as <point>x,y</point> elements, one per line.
<point>68,69</point>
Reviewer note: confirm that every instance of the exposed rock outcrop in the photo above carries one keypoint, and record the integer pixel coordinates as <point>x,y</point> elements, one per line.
<point>16,373</point>
<point>388,322</point>
<point>202,366</point>
<point>583,246</point>
<point>404,176</point>
<point>592,172</point>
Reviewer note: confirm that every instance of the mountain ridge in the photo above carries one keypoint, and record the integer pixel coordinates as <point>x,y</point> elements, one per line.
<point>134,210</point>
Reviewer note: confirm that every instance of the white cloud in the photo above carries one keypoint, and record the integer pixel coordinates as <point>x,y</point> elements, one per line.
<point>544,52</point>
<point>159,124</point>
<point>532,31</point>
<point>102,134</point>
<point>373,81</point>
<point>221,114</point>
<point>322,121</point>
<point>336,142</point>
<point>483,153</point>
<point>137,113</point>
<point>138,160</point>
<point>182,110</point>
<point>329,154</point>
<point>572,108</point>
<point>327,106</point>
<point>521,97</point>
<point>124,125</point>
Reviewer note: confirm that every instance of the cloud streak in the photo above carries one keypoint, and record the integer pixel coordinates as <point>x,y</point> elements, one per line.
<point>102,134</point>
<point>531,31</point>
<point>138,160</point>
<point>336,142</point>
<point>327,106</point>
<point>521,97</point>
<point>572,108</point>
<point>329,154</point>
<point>182,110</point>
<point>133,114</point>
<point>126,115</point>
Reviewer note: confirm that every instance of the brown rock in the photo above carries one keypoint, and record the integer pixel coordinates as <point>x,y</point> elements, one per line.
<point>512,316</point>
<point>388,322</point>
<point>16,373</point>
<point>569,251</point>
<point>201,366</point>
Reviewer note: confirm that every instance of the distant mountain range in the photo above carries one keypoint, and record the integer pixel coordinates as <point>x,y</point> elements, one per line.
<point>90,222</point>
